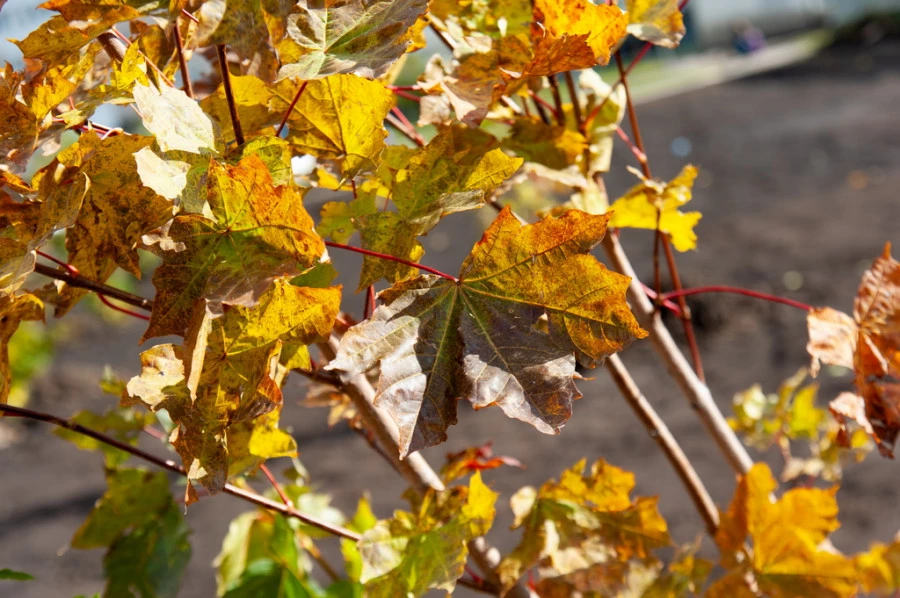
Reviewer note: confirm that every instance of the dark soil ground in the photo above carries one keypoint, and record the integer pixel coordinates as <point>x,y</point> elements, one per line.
<point>800,171</point>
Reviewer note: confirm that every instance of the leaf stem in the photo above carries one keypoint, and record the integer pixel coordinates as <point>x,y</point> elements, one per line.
<point>229,94</point>
<point>736,291</point>
<point>658,430</point>
<point>287,113</point>
<point>182,63</point>
<point>97,287</point>
<point>175,468</point>
<point>543,106</point>
<point>392,258</point>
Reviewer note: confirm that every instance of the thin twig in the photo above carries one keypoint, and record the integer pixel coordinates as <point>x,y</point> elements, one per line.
<point>127,312</point>
<point>557,100</point>
<point>694,390</point>
<point>660,239</point>
<point>410,134</point>
<point>99,288</point>
<point>287,113</point>
<point>392,258</point>
<point>175,468</point>
<point>182,63</point>
<point>229,94</point>
<point>736,291</point>
<point>573,97</point>
<point>542,107</point>
<point>663,437</point>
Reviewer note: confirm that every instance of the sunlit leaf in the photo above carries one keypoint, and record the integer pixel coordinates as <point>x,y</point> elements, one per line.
<point>362,38</point>
<point>586,520</point>
<point>175,119</point>
<point>872,338</point>
<point>639,208</point>
<point>261,232</point>
<point>573,34</point>
<point>125,425</point>
<point>414,552</point>
<point>219,385</point>
<point>340,118</point>
<point>879,568</point>
<point>480,339</point>
<point>785,534</point>
<point>656,21</point>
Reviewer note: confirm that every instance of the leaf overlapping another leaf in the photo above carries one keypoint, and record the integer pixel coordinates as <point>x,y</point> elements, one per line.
<point>345,36</point>
<point>414,552</point>
<point>787,557</point>
<point>483,338</point>
<point>586,526</point>
<point>869,342</point>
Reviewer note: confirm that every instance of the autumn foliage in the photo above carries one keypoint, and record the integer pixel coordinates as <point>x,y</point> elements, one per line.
<point>206,197</point>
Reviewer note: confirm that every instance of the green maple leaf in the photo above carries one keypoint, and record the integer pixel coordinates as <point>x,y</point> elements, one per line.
<point>484,338</point>
<point>260,232</point>
<point>414,552</point>
<point>144,532</point>
<point>362,38</point>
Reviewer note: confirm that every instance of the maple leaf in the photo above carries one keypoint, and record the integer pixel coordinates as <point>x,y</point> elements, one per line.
<point>241,24</point>
<point>340,118</point>
<point>585,520</point>
<point>455,172</point>
<point>553,145</point>
<point>475,458</point>
<point>414,552</point>
<point>480,338</point>
<point>18,125</point>
<point>786,536</point>
<point>573,34</point>
<point>14,309</point>
<point>144,533</point>
<point>222,380</point>
<point>25,226</point>
<point>124,425</point>
<point>345,36</point>
<point>260,232</point>
<point>879,568</point>
<point>638,208</point>
<point>870,344</point>
<point>177,121</point>
<point>657,21</point>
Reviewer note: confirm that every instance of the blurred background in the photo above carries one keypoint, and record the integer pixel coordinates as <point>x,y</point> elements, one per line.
<point>788,108</point>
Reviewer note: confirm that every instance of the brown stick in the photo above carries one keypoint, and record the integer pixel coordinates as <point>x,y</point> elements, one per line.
<point>247,495</point>
<point>182,64</point>
<point>229,94</point>
<point>694,390</point>
<point>97,287</point>
<point>660,432</point>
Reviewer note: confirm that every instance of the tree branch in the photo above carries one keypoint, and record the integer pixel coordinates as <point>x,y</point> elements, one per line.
<point>229,94</point>
<point>97,287</point>
<point>414,469</point>
<point>247,495</point>
<point>391,258</point>
<point>695,391</point>
<point>659,432</point>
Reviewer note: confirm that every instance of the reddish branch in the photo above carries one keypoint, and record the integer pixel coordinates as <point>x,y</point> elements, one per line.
<point>736,291</point>
<point>287,113</point>
<point>247,495</point>
<point>90,285</point>
<point>182,63</point>
<point>392,258</point>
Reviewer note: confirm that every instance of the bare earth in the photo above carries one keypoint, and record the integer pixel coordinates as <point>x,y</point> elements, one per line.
<point>800,171</point>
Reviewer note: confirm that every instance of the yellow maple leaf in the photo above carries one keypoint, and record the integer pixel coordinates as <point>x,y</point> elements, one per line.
<point>786,538</point>
<point>638,208</point>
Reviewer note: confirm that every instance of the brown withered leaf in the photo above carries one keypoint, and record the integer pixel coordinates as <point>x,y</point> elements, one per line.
<point>872,338</point>
<point>483,338</point>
